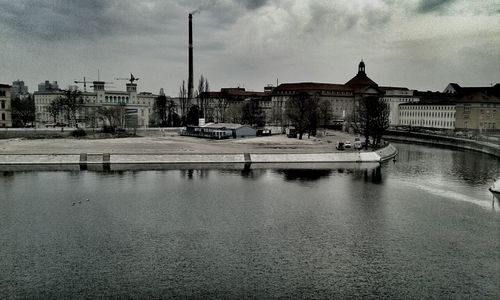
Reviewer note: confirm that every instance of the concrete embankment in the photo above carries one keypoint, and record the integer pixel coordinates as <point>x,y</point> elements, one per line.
<point>444,141</point>
<point>85,161</point>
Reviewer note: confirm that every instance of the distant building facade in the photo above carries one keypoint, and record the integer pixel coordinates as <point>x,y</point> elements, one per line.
<point>478,109</point>
<point>5,108</point>
<point>225,105</point>
<point>140,105</point>
<point>19,90</point>
<point>48,86</point>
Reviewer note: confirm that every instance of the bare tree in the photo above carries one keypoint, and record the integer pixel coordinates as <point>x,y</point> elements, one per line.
<point>183,100</point>
<point>325,113</point>
<point>201,94</point>
<point>233,113</point>
<point>380,121</point>
<point>220,106</point>
<point>370,119</point>
<point>69,104</point>
<point>55,108</point>
<point>302,110</point>
<point>252,114</point>
<point>161,109</point>
<point>23,111</point>
<point>113,116</point>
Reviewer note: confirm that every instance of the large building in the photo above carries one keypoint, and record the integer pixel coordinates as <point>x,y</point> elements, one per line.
<point>5,108</point>
<point>456,108</point>
<point>137,104</point>
<point>429,110</point>
<point>343,98</point>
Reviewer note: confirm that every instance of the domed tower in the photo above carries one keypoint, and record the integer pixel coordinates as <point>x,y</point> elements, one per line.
<point>361,80</point>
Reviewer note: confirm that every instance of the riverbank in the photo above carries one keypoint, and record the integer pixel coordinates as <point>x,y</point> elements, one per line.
<point>176,150</point>
<point>444,141</point>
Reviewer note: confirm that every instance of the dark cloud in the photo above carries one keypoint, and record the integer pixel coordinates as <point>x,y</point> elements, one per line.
<point>427,6</point>
<point>60,20</point>
<point>338,19</point>
<point>253,4</point>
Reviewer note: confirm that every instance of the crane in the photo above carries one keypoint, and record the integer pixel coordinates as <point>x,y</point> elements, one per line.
<point>131,79</point>
<point>84,83</point>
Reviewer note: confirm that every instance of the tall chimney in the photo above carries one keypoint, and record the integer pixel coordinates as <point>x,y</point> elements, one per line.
<point>190,79</point>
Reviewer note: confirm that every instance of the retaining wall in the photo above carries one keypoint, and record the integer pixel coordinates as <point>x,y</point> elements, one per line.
<point>99,160</point>
<point>444,141</point>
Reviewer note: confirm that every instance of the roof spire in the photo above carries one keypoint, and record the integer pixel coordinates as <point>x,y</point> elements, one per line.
<point>361,68</point>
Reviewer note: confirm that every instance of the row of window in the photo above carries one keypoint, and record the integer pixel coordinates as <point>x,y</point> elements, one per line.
<point>428,114</point>
<point>429,123</point>
<point>487,125</point>
<point>427,107</point>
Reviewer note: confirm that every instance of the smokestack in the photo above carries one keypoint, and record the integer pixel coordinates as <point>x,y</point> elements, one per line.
<point>190,79</point>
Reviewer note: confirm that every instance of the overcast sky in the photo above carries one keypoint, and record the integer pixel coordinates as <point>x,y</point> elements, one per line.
<point>419,44</point>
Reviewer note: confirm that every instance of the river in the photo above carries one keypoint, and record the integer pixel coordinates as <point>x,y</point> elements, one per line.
<point>421,227</point>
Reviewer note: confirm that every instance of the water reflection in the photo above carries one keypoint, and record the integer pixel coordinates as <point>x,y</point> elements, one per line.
<point>303,175</point>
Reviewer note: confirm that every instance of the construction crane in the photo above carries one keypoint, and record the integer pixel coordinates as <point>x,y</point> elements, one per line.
<point>84,83</point>
<point>131,79</point>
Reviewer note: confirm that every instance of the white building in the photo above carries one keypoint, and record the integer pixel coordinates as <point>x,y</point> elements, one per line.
<point>137,104</point>
<point>395,97</point>
<point>428,115</point>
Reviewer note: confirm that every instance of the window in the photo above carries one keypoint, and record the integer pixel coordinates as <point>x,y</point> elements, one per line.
<point>3,104</point>
<point>3,117</point>
<point>2,93</point>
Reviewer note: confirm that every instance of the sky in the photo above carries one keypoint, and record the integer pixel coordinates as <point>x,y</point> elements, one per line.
<point>419,44</point>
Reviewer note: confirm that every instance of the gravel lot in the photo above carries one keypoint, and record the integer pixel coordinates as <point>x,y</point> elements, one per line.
<point>163,142</point>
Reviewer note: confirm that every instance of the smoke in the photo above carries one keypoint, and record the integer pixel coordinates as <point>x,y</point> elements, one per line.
<point>204,6</point>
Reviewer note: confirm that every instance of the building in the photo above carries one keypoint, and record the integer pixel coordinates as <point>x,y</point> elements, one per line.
<point>456,108</point>
<point>19,90</point>
<point>479,111</point>
<point>137,105</point>
<point>225,105</point>
<point>48,86</point>
<point>393,98</point>
<point>340,97</point>
<point>434,110</point>
<point>5,108</point>
<point>220,131</point>
<point>343,98</point>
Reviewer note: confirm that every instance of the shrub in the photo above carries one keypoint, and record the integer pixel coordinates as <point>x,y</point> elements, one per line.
<point>79,132</point>
<point>108,129</point>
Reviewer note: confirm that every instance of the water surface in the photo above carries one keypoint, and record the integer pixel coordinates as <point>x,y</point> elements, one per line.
<point>423,227</point>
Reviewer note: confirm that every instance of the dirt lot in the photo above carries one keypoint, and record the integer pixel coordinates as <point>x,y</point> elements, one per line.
<point>163,142</point>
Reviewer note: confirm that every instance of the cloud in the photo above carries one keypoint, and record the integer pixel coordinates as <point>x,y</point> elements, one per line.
<point>427,6</point>
<point>253,4</point>
<point>60,20</point>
